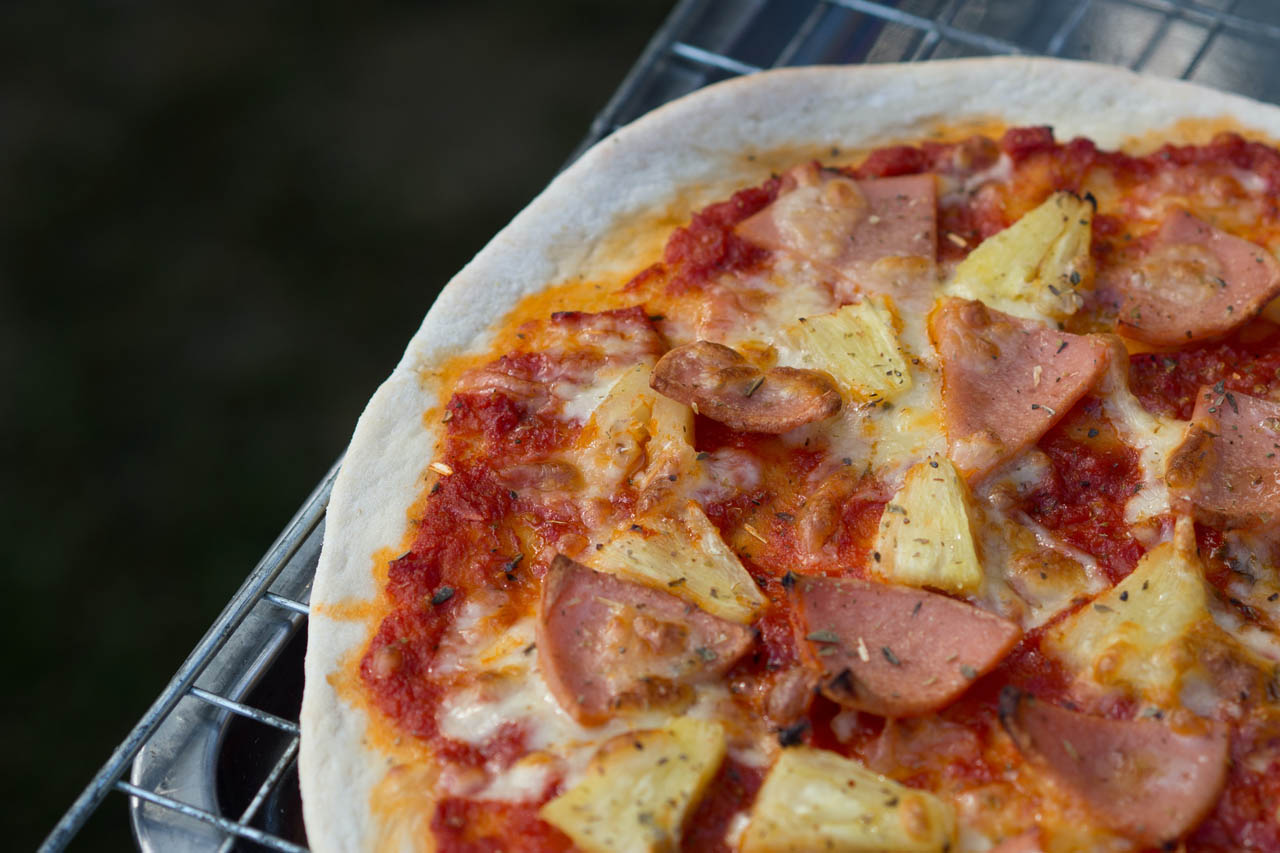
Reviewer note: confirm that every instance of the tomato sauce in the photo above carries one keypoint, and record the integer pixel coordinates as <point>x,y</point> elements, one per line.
<point>1093,475</point>
<point>1245,817</point>
<point>1246,362</point>
<point>707,246</point>
<point>477,534</point>
<point>456,553</point>
<point>967,156</point>
<point>859,523</point>
<point>729,794</point>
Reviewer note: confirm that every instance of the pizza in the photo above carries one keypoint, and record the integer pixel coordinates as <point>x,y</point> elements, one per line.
<point>853,459</point>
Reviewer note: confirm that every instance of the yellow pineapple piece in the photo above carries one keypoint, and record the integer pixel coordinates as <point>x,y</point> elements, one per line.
<point>925,536</point>
<point>639,788</point>
<point>1140,633</point>
<point>614,435</point>
<point>683,554</point>
<point>1035,267</point>
<point>633,423</point>
<point>858,346</point>
<point>813,799</point>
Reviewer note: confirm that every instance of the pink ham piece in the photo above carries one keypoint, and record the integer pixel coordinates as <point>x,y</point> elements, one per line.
<point>1194,282</point>
<point>879,235</point>
<point>607,645</point>
<point>1006,380</point>
<point>1139,777</point>
<point>1228,465</point>
<point>895,651</point>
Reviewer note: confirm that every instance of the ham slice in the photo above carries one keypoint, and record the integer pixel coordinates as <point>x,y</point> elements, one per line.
<point>606,644</point>
<point>1006,380</point>
<point>1228,464</point>
<point>878,235</point>
<point>896,651</point>
<point>1193,282</point>
<point>1138,776</point>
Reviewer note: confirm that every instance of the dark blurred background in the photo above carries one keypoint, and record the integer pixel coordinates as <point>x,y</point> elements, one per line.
<point>219,228</point>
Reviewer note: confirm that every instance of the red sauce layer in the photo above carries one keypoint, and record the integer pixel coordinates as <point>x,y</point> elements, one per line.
<point>1246,362</point>
<point>729,794</point>
<point>707,246</point>
<point>1093,475</point>
<point>1245,817</point>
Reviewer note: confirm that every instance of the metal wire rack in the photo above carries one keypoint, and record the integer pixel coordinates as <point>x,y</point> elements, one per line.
<point>212,763</point>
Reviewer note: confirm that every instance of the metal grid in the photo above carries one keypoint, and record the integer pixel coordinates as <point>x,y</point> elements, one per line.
<point>200,705</point>
<point>176,751</point>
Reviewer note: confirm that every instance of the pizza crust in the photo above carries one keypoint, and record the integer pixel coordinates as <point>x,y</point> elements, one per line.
<point>672,160</point>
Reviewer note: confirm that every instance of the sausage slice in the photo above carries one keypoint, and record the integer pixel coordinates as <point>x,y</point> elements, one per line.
<point>719,383</point>
<point>1139,776</point>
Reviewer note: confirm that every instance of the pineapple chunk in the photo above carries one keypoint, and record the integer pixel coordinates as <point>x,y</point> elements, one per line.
<point>635,427</point>
<point>1141,633</point>
<point>683,555</point>
<point>670,448</point>
<point>670,426</point>
<point>925,536</point>
<point>639,788</point>
<point>1034,267</point>
<point>816,800</point>
<point>858,345</point>
<point>615,433</point>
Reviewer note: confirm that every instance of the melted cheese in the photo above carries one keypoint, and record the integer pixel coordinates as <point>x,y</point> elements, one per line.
<point>817,219</point>
<point>954,191</point>
<point>907,432</point>
<point>888,436</point>
<point>475,644</point>
<point>753,309</point>
<point>910,429</point>
<point>581,399</point>
<point>1255,582</point>
<point>1260,641</point>
<point>507,690</point>
<point>633,435</point>
<point>1030,576</point>
<point>1153,436</point>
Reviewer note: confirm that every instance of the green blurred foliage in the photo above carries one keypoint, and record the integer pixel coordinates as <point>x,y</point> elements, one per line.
<point>219,226</point>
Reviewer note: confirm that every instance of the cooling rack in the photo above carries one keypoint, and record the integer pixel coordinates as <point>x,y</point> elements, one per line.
<point>212,764</point>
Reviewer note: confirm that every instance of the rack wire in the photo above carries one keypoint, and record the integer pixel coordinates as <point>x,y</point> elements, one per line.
<point>212,763</point>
